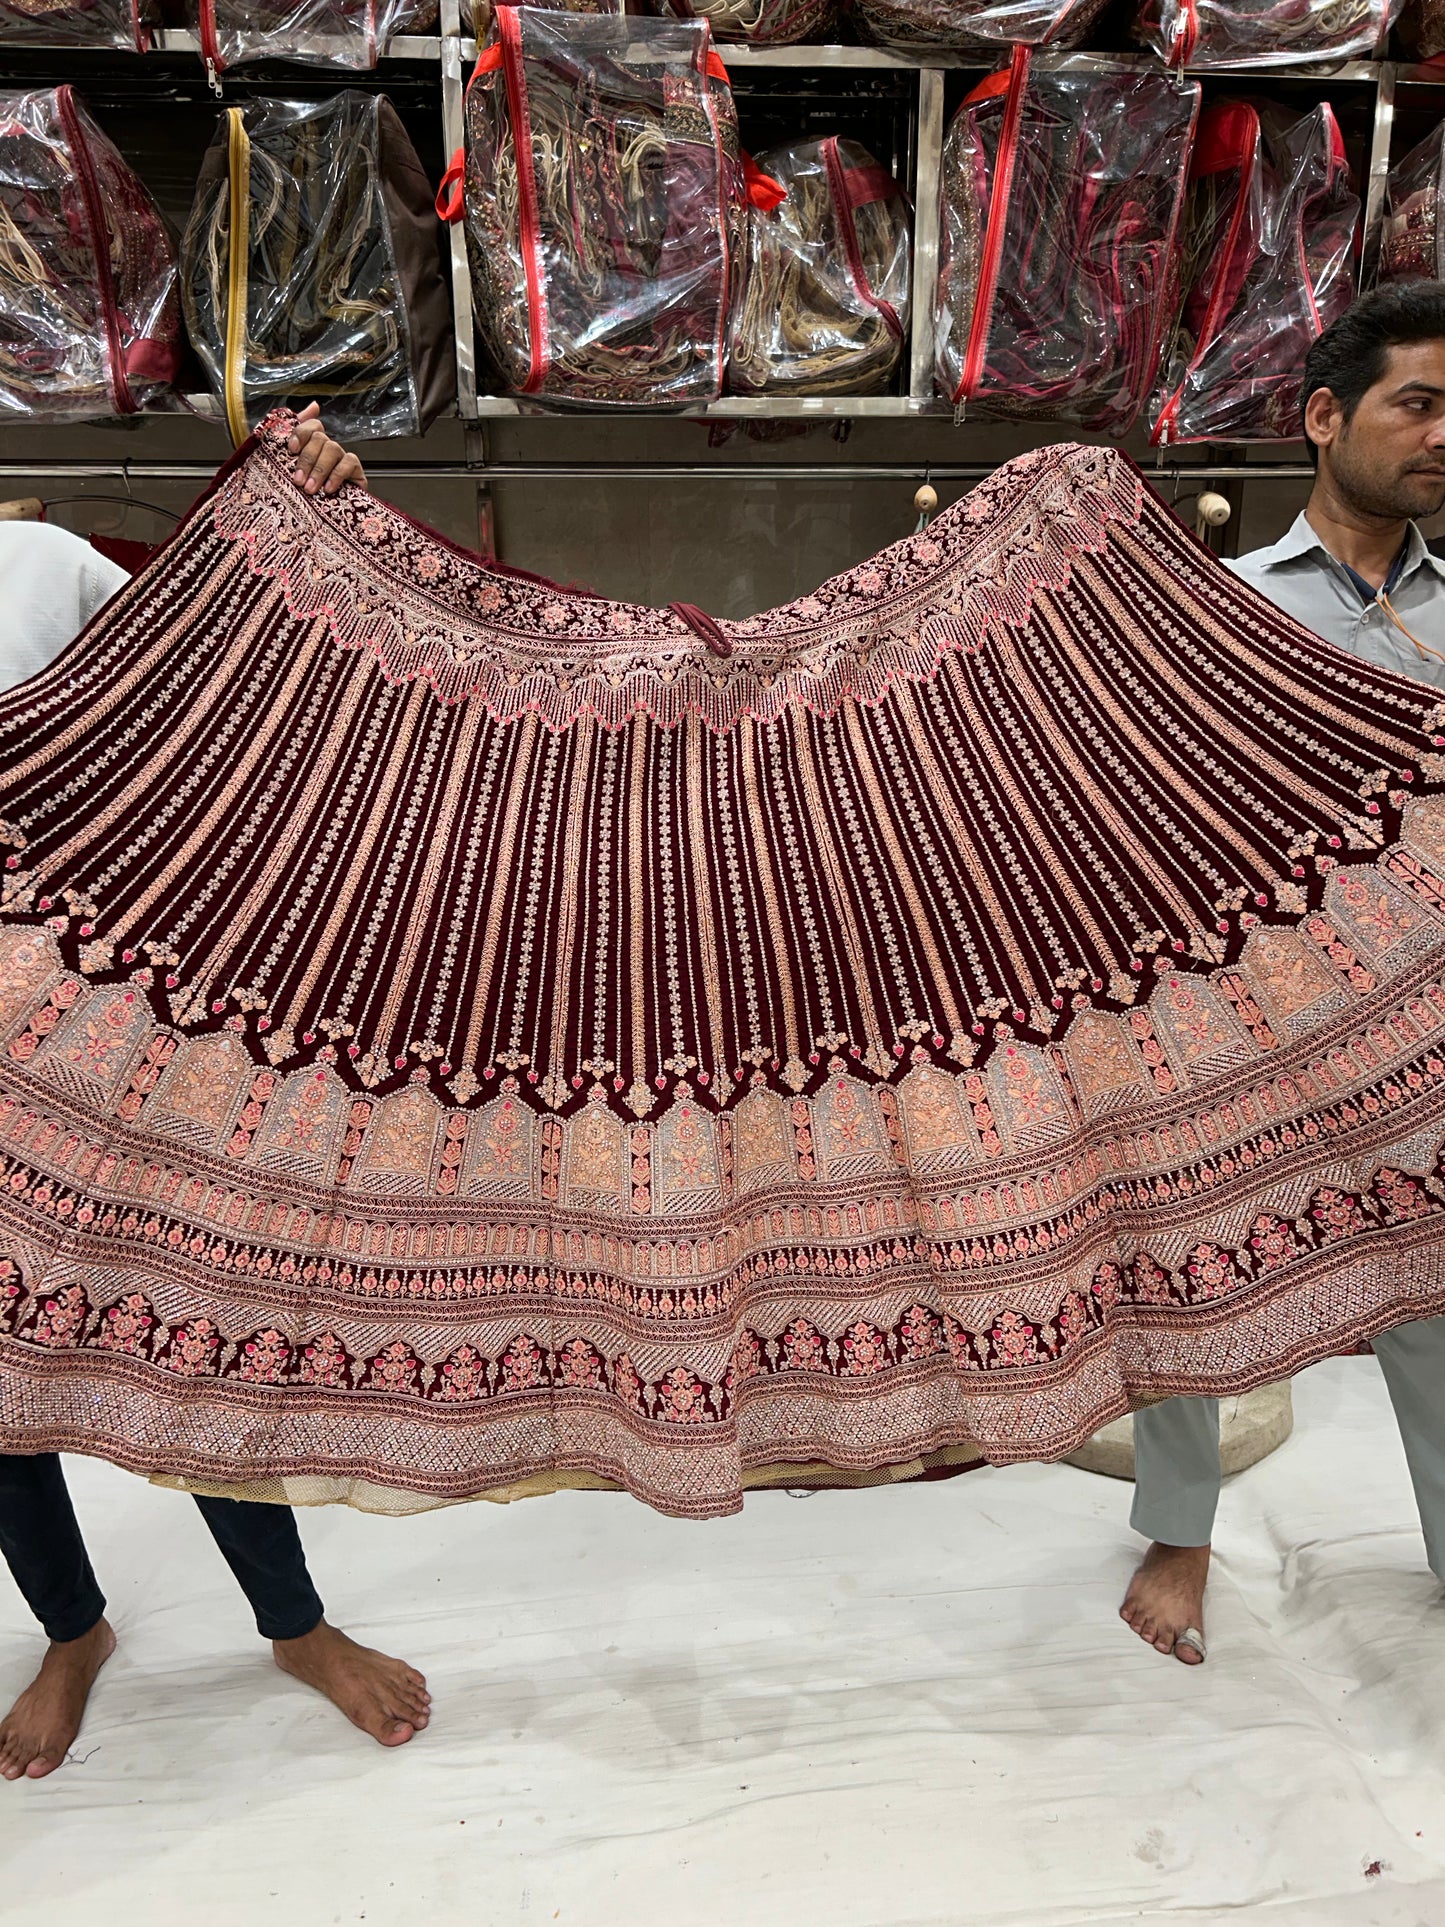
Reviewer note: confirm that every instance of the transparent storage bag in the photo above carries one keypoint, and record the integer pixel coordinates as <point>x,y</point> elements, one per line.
<point>311,268</point>
<point>1420,28</point>
<point>824,306</point>
<point>764,23</point>
<point>943,26</point>
<point>89,319</point>
<point>1061,202</point>
<point>1217,35</point>
<point>1412,245</point>
<point>604,201</point>
<point>127,24</point>
<point>318,33</point>
<point>1267,265</point>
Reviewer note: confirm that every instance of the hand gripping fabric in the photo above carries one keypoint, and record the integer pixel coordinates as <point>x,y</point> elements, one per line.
<point>458,1036</point>
<point>1061,199</point>
<point>1268,264</point>
<point>824,308</point>
<point>89,319</point>
<point>605,205</point>
<point>312,268</point>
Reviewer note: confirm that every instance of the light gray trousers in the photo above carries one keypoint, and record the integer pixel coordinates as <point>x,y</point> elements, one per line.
<point>1176,1446</point>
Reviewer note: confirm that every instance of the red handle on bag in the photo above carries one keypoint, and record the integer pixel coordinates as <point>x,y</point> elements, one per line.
<point>762,190</point>
<point>450,194</point>
<point>1012,86</point>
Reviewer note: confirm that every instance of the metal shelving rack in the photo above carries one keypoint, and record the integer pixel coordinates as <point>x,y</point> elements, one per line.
<point>920,400</point>
<point>450,53</point>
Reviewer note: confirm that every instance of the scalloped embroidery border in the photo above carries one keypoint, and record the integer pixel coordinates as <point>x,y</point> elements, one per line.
<point>851,639</point>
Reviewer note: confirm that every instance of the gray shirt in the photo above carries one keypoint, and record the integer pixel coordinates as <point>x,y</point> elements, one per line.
<point>1304,579</point>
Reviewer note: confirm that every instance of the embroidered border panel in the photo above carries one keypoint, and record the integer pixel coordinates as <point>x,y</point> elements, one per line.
<point>459,1035</point>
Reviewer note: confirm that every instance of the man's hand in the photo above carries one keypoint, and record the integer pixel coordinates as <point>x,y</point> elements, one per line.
<point>322,466</point>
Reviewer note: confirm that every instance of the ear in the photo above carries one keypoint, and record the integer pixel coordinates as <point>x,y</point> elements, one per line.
<point>1323,417</point>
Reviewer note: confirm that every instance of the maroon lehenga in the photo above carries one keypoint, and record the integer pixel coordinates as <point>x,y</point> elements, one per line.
<point>458,1036</point>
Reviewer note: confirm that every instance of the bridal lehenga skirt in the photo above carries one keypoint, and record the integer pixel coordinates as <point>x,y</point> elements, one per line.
<point>461,1037</point>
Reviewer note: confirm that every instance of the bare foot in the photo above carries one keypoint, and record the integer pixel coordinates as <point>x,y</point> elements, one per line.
<point>40,1728</point>
<point>1165,1596</point>
<point>384,1697</point>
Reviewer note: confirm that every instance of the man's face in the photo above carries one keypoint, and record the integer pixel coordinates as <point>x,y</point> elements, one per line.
<point>1389,459</point>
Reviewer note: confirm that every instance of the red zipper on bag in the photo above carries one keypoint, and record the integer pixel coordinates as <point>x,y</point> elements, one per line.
<point>998,203</point>
<point>100,248</point>
<point>509,35</point>
<point>843,201</point>
<point>140,32</point>
<point>1213,154</point>
<point>210,44</point>
<point>1186,34</point>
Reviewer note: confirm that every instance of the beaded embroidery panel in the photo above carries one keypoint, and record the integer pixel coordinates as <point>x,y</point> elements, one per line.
<point>457,1032</point>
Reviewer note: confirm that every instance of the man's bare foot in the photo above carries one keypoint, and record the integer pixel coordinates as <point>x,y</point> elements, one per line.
<point>1165,1596</point>
<point>40,1728</point>
<point>384,1697</point>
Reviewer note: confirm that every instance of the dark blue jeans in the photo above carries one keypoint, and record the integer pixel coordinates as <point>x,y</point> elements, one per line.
<point>41,1541</point>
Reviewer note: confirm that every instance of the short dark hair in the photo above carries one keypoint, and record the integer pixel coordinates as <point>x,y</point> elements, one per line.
<point>1349,357</point>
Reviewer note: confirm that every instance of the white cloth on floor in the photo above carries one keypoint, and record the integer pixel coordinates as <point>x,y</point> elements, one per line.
<point>899,1708</point>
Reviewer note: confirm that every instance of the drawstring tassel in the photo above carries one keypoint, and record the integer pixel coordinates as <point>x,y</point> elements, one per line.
<point>1423,648</point>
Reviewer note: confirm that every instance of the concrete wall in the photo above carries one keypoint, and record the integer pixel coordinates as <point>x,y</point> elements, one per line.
<point>734,541</point>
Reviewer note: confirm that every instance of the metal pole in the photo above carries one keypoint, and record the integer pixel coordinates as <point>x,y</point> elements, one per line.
<point>838,471</point>
<point>925,229</point>
<point>1379,174</point>
<point>454,139</point>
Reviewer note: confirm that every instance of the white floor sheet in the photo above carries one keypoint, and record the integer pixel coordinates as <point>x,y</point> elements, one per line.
<point>873,1709</point>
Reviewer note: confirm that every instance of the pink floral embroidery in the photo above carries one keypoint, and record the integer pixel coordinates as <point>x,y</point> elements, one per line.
<point>1108,1285</point>
<point>265,1358</point>
<point>428,565</point>
<point>682,1398</point>
<point>323,1361</point>
<point>865,1350</point>
<point>747,1357</point>
<point>61,1317</point>
<point>1152,1284</point>
<point>1401,1195</point>
<point>464,1376</point>
<point>192,1348</point>
<point>920,1333</point>
<point>1337,1214</point>
<point>803,1348</point>
<point>127,1325</point>
<point>522,1364</point>
<point>394,1369</point>
<point>579,1365</point>
<point>1272,1241</point>
<point>1212,1272</point>
<point>1014,1339</point>
<point>1074,1318</point>
<point>627,1384</point>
